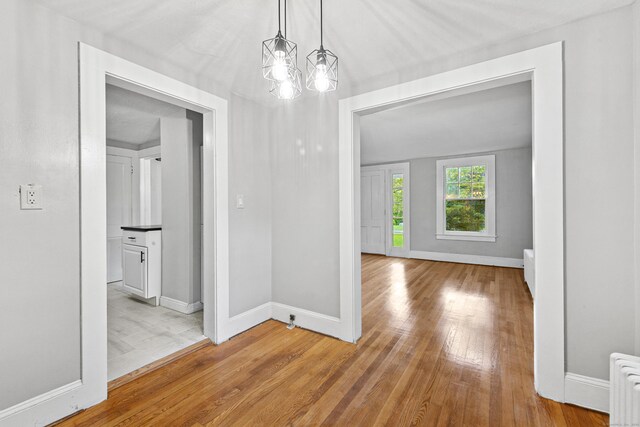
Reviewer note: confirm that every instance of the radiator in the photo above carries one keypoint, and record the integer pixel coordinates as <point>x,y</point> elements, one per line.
<point>624,393</point>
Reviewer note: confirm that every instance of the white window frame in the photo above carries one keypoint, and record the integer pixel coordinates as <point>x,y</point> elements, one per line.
<point>405,170</point>
<point>489,234</point>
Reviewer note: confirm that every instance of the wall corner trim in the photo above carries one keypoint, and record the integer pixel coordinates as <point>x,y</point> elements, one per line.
<point>588,392</point>
<point>244,321</point>
<point>468,259</point>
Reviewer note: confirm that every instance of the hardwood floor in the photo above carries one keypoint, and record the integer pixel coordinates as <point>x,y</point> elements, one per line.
<point>443,344</point>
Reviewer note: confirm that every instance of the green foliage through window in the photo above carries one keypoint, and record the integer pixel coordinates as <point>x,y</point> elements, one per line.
<point>465,215</point>
<point>465,198</point>
<point>397,183</point>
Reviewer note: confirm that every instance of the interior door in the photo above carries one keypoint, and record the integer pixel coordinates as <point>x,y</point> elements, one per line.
<point>372,202</point>
<point>134,263</point>
<point>119,172</point>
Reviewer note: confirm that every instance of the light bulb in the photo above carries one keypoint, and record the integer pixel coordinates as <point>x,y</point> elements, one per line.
<point>286,90</point>
<point>321,81</point>
<point>279,68</point>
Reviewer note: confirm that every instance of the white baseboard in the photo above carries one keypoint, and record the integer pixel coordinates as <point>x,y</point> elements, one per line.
<point>180,306</point>
<point>468,259</point>
<point>17,415</point>
<point>587,392</point>
<point>243,321</point>
<point>311,320</point>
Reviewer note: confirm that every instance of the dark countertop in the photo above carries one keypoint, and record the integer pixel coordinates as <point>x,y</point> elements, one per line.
<point>142,227</point>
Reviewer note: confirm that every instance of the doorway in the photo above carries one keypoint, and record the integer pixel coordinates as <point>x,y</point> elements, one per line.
<point>154,298</point>
<point>98,68</point>
<point>385,210</point>
<point>544,67</point>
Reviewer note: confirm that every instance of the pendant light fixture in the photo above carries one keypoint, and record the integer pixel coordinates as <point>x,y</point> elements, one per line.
<point>279,55</point>
<point>289,87</point>
<point>322,66</point>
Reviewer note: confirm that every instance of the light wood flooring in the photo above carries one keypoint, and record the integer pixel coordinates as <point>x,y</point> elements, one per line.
<point>443,344</point>
<point>139,333</point>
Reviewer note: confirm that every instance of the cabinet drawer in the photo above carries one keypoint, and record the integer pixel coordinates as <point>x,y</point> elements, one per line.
<point>131,237</point>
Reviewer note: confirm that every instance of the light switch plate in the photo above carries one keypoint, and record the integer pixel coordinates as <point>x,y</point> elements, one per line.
<point>30,197</point>
<point>240,201</point>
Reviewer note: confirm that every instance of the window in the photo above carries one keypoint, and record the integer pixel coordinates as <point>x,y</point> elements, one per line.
<point>397,209</point>
<point>466,198</point>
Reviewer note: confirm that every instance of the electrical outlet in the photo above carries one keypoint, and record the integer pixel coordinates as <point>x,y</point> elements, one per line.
<point>30,197</point>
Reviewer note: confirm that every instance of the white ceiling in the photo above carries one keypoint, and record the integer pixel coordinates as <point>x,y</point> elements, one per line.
<point>221,38</point>
<point>135,118</point>
<point>488,120</point>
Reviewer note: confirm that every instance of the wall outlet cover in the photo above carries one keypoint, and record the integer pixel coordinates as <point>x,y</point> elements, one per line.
<point>31,197</point>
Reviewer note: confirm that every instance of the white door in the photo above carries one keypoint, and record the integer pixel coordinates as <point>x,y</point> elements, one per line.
<point>372,187</point>
<point>134,266</point>
<point>119,171</point>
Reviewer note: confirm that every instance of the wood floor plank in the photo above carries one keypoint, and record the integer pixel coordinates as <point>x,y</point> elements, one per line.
<point>443,344</point>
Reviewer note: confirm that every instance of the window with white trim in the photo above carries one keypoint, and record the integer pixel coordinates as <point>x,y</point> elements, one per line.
<point>466,199</point>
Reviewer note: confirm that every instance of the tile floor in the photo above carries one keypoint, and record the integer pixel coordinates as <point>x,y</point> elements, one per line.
<point>139,333</point>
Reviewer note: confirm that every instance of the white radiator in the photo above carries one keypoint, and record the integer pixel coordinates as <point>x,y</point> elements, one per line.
<point>624,393</point>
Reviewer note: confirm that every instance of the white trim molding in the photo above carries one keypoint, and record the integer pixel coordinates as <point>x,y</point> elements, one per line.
<point>246,320</point>
<point>307,319</point>
<point>544,67</point>
<point>489,162</point>
<point>180,306</point>
<point>588,392</point>
<point>468,259</point>
<point>311,320</point>
<point>42,409</point>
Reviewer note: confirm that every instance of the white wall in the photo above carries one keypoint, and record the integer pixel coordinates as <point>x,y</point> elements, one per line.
<point>180,226</point>
<point>304,156</point>
<point>599,214</point>
<point>250,228</point>
<point>40,250</point>
<point>514,218</point>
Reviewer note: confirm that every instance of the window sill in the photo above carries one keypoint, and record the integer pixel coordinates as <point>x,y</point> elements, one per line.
<point>468,237</point>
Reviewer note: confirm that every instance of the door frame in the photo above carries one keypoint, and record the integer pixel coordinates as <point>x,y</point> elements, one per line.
<point>97,68</point>
<point>544,67</point>
<point>389,169</point>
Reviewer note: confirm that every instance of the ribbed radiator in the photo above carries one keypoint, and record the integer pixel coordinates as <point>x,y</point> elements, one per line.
<point>624,392</point>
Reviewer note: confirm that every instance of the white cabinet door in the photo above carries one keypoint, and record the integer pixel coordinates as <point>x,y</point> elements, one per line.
<point>134,269</point>
<point>118,211</point>
<point>372,188</point>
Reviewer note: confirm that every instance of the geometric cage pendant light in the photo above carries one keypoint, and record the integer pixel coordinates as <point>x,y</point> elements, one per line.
<point>322,67</point>
<point>290,88</point>
<point>279,55</point>
<point>280,63</point>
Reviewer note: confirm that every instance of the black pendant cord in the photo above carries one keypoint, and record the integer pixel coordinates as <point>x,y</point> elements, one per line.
<point>285,19</point>
<point>321,41</point>
<point>279,16</point>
